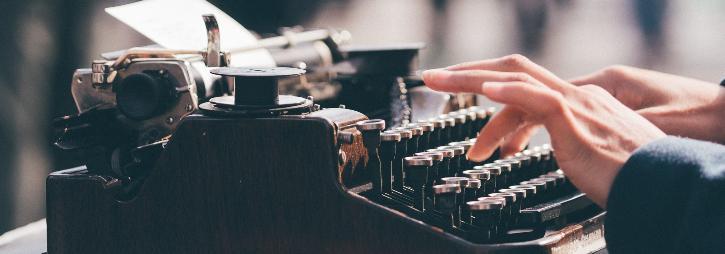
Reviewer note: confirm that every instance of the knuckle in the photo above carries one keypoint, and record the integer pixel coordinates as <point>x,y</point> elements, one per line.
<point>594,89</point>
<point>515,60</point>
<point>556,104</point>
<point>616,71</point>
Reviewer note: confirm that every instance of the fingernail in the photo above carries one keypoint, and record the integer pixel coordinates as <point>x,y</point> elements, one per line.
<point>492,88</point>
<point>476,156</point>
<point>430,75</point>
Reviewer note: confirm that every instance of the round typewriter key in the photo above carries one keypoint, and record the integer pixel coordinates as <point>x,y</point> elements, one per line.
<point>560,178</point>
<point>472,189</point>
<point>449,153</point>
<point>457,160</point>
<point>447,188</point>
<point>401,150</point>
<point>425,138</point>
<point>445,166</point>
<point>446,200</point>
<point>485,216</point>
<point>473,184</point>
<point>480,174</point>
<point>390,136</point>
<point>435,155</point>
<point>531,192</point>
<point>372,124</point>
<point>510,199</point>
<point>530,189</point>
<point>466,145</point>
<point>540,186</point>
<point>462,181</point>
<point>413,144</point>
<point>416,176</point>
<point>496,177</point>
<point>437,123</point>
<point>449,121</point>
<point>457,150</point>
<point>404,134</point>
<point>434,171</point>
<point>423,125</point>
<point>389,141</point>
<point>417,131</point>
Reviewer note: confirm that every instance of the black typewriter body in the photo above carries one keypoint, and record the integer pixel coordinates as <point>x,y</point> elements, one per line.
<point>229,186</point>
<point>258,172</point>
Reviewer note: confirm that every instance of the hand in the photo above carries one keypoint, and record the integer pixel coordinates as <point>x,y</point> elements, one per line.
<point>592,133</point>
<point>677,105</point>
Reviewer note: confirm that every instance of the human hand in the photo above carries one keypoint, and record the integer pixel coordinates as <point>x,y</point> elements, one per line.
<point>677,105</point>
<point>592,133</point>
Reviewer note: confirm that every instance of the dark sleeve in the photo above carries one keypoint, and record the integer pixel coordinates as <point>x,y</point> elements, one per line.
<point>669,198</point>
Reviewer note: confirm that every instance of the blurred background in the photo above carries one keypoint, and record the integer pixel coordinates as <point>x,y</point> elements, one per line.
<point>43,42</point>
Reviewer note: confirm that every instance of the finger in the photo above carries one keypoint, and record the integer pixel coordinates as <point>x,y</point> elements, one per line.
<point>518,140</point>
<point>490,137</point>
<point>515,63</point>
<point>470,81</point>
<point>525,103</point>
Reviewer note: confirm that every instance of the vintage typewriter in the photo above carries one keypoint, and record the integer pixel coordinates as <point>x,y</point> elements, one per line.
<point>243,169</point>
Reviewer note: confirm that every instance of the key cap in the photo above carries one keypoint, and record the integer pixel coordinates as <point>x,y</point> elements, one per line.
<point>498,228</point>
<point>435,136</point>
<point>434,171</point>
<point>416,175</point>
<point>445,200</point>
<point>463,182</point>
<point>484,215</point>
<point>370,130</point>
<point>444,169</point>
<point>401,149</point>
<point>457,160</point>
<point>482,175</point>
<point>424,141</point>
<point>389,140</point>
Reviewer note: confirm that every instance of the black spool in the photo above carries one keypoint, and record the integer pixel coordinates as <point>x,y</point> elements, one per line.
<point>256,92</point>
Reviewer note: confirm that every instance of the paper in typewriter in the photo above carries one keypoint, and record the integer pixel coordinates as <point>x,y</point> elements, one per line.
<point>177,24</point>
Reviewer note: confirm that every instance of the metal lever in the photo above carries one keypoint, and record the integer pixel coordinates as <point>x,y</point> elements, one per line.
<point>213,44</point>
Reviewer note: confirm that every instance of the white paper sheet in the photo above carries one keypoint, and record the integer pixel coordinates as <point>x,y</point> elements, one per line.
<point>177,24</point>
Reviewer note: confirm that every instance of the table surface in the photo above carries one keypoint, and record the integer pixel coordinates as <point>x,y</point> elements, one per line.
<point>28,239</point>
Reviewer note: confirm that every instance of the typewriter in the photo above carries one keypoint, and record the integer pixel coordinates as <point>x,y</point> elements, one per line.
<point>247,170</point>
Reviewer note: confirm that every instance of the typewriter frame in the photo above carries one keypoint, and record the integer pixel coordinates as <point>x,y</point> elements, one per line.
<point>242,185</point>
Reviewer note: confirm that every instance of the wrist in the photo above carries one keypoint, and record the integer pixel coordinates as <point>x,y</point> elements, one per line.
<point>715,112</point>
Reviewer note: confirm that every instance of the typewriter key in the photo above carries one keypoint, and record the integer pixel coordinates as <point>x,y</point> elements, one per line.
<point>401,150</point>
<point>416,175</point>
<point>465,163</point>
<point>518,204</point>
<point>370,130</point>
<point>515,175</point>
<point>457,160</point>
<point>424,142</point>
<point>444,169</point>
<point>445,200</point>
<point>463,182</point>
<point>389,140</point>
<point>414,140</point>
<point>496,181</point>
<point>435,136</point>
<point>447,134</point>
<point>481,119</point>
<point>505,173</point>
<point>497,228</point>
<point>482,175</point>
<point>508,210</point>
<point>529,200</point>
<point>484,215</point>
<point>433,172</point>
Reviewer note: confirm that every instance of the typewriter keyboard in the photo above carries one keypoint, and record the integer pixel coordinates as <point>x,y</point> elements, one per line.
<point>421,170</point>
